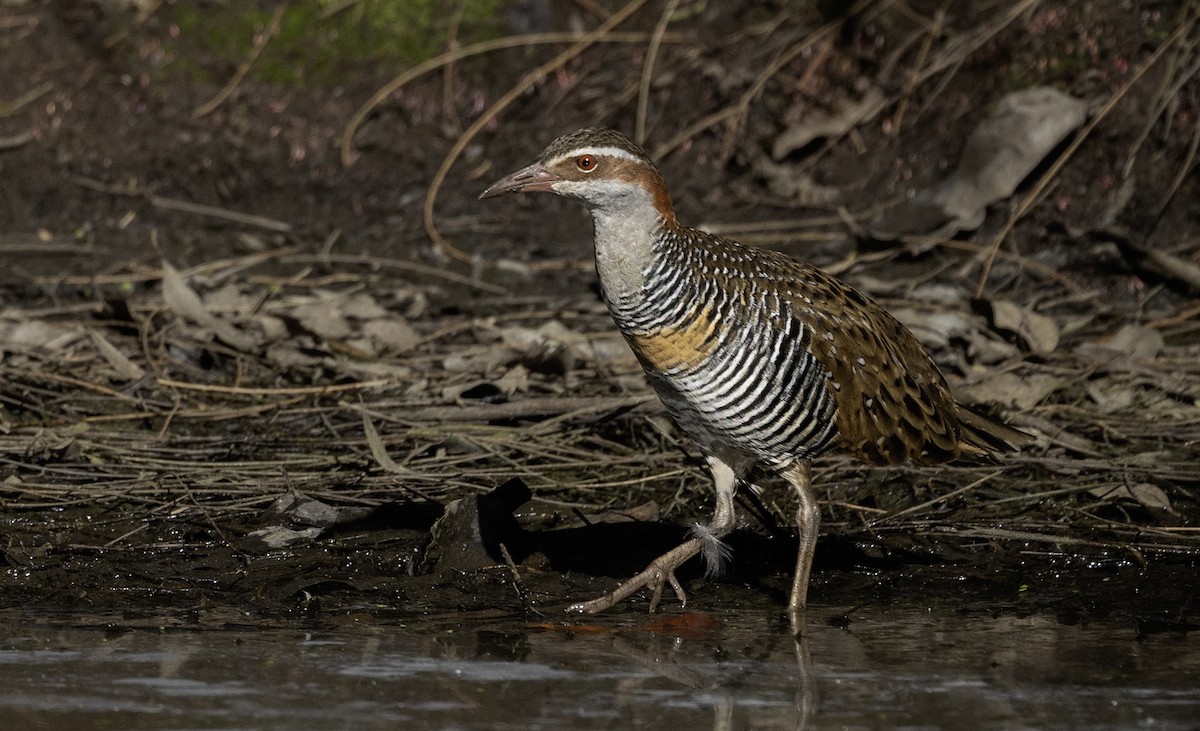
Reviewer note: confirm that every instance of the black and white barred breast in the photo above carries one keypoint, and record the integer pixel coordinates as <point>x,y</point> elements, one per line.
<point>727,354</point>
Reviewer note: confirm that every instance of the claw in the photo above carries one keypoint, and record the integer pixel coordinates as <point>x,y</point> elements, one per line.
<point>658,581</point>
<point>679,593</point>
<point>663,577</point>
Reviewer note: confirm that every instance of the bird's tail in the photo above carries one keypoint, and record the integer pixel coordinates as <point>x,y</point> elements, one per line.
<point>981,434</point>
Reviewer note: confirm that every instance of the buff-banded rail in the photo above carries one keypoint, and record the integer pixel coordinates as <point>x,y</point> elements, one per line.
<point>760,358</point>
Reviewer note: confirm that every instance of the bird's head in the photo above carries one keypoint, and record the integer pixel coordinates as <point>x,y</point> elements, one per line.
<point>600,168</point>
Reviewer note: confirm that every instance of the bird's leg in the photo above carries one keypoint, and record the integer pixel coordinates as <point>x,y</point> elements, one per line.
<point>705,539</point>
<point>808,522</point>
<point>715,552</point>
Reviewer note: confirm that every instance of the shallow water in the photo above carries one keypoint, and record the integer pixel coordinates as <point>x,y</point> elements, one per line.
<point>867,668</point>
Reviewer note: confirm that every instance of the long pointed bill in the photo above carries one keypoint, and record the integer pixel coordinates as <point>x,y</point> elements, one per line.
<point>527,180</point>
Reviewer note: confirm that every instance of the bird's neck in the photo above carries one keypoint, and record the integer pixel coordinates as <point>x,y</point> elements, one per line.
<point>625,232</point>
<point>625,250</point>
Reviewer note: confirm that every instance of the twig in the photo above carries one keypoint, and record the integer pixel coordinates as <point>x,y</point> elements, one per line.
<point>378,450</point>
<point>202,414</point>
<point>440,243</point>
<point>346,146</point>
<point>144,11</point>
<point>933,31</point>
<point>448,107</point>
<point>934,501</point>
<point>1035,194</point>
<point>202,209</point>
<point>12,142</point>
<point>7,109</point>
<point>1162,263</point>
<point>204,510</point>
<point>969,43</point>
<point>747,98</point>
<point>1169,87</point>
<point>1181,316</point>
<point>79,382</point>
<point>158,201</point>
<point>295,391</point>
<point>595,8</point>
<point>1023,261</point>
<point>522,409</point>
<point>400,265</point>
<point>518,585</point>
<point>1184,169</point>
<point>648,69</point>
<point>260,42</point>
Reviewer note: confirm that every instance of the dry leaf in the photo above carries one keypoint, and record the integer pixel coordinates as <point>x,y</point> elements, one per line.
<point>524,339</point>
<point>1109,400</point>
<point>517,379</point>
<point>273,328</point>
<point>800,187</point>
<point>1038,332</point>
<point>300,508</point>
<point>369,370</point>
<point>393,334</point>
<point>364,307</point>
<point>1150,496</point>
<point>231,299</point>
<point>935,328</point>
<point>290,357</point>
<point>378,451</point>
<point>180,298</point>
<point>985,348</point>
<point>1130,343</point>
<point>1010,389</point>
<point>324,319</point>
<point>611,349</point>
<point>39,334</point>
<point>277,536</point>
<point>124,367</point>
<point>480,360</point>
<point>1004,149</point>
<point>1136,342</point>
<point>839,122</point>
<point>184,302</point>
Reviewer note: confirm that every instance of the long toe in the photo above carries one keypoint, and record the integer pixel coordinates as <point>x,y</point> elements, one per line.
<point>659,573</point>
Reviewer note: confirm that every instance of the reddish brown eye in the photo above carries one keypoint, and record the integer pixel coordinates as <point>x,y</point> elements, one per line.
<point>586,163</point>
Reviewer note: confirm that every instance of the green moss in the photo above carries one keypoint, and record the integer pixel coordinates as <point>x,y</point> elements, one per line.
<point>313,48</point>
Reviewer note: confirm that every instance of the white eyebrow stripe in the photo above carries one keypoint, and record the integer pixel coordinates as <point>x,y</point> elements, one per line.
<point>602,151</point>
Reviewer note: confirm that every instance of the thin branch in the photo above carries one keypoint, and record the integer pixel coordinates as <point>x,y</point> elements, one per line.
<point>346,146</point>
<point>648,69</point>
<point>534,76</point>
<point>260,42</point>
<point>1043,183</point>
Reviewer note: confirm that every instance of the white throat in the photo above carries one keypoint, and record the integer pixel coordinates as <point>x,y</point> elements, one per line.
<point>624,249</point>
<point>625,222</point>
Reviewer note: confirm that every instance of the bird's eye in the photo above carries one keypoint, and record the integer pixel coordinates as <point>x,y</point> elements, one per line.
<point>585,163</point>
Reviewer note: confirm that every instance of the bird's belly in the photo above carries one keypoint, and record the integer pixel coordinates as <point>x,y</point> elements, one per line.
<point>759,398</point>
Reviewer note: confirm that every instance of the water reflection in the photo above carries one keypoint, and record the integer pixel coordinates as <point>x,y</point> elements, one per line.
<point>883,668</point>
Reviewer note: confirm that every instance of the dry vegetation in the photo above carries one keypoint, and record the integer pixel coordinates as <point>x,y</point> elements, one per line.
<point>145,407</point>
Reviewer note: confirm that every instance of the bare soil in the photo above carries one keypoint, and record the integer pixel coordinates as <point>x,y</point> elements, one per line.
<point>206,309</point>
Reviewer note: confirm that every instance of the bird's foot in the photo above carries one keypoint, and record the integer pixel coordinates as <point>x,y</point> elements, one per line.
<point>658,574</point>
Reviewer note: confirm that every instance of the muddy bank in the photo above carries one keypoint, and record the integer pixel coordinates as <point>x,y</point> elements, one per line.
<point>203,313</point>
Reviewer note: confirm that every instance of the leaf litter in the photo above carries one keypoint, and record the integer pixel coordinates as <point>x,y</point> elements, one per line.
<point>161,420</point>
<point>278,400</point>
